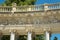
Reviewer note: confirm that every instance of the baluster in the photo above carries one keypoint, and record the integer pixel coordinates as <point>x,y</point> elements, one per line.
<point>3,9</point>
<point>0,9</point>
<point>36,8</point>
<point>58,6</point>
<point>32,8</point>
<point>7,9</point>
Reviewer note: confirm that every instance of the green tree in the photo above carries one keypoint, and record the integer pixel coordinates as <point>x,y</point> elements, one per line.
<point>55,38</point>
<point>19,2</point>
<point>39,37</point>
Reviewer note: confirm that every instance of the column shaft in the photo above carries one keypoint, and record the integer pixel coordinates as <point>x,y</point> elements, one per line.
<point>12,36</point>
<point>29,36</point>
<point>47,35</point>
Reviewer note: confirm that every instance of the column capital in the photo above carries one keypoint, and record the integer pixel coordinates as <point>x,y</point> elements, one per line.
<point>28,30</point>
<point>12,37</point>
<point>13,30</point>
<point>47,29</point>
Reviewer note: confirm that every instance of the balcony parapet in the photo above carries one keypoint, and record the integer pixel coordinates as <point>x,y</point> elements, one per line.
<point>27,8</point>
<point>5,8</point>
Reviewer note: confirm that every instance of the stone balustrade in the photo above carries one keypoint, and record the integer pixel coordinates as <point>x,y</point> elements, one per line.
<point>29,8</point>
<point>5,8</point>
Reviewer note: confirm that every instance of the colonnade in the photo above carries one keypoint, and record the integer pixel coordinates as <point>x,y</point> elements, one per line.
<point>29,35</point>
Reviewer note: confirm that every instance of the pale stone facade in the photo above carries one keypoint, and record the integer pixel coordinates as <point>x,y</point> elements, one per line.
<point>24,20</point>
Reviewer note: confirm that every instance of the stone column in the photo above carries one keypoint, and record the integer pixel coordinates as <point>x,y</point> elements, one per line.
<point>47,35</point>
<point>12,36</point>
<point>29,37</point>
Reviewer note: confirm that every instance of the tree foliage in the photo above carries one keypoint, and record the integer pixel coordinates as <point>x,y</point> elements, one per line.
<point>19,2</point>
<point>39,37</point>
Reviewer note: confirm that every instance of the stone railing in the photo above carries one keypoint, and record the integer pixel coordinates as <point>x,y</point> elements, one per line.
<point>5,8</point>
<point>54,6</point>
<point>29,8</point>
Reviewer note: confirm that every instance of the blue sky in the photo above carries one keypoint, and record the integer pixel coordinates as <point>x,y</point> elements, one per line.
<point>47,1</point>
<point>42,2</point>
<point>55,35</point>
<point>1,1</point>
